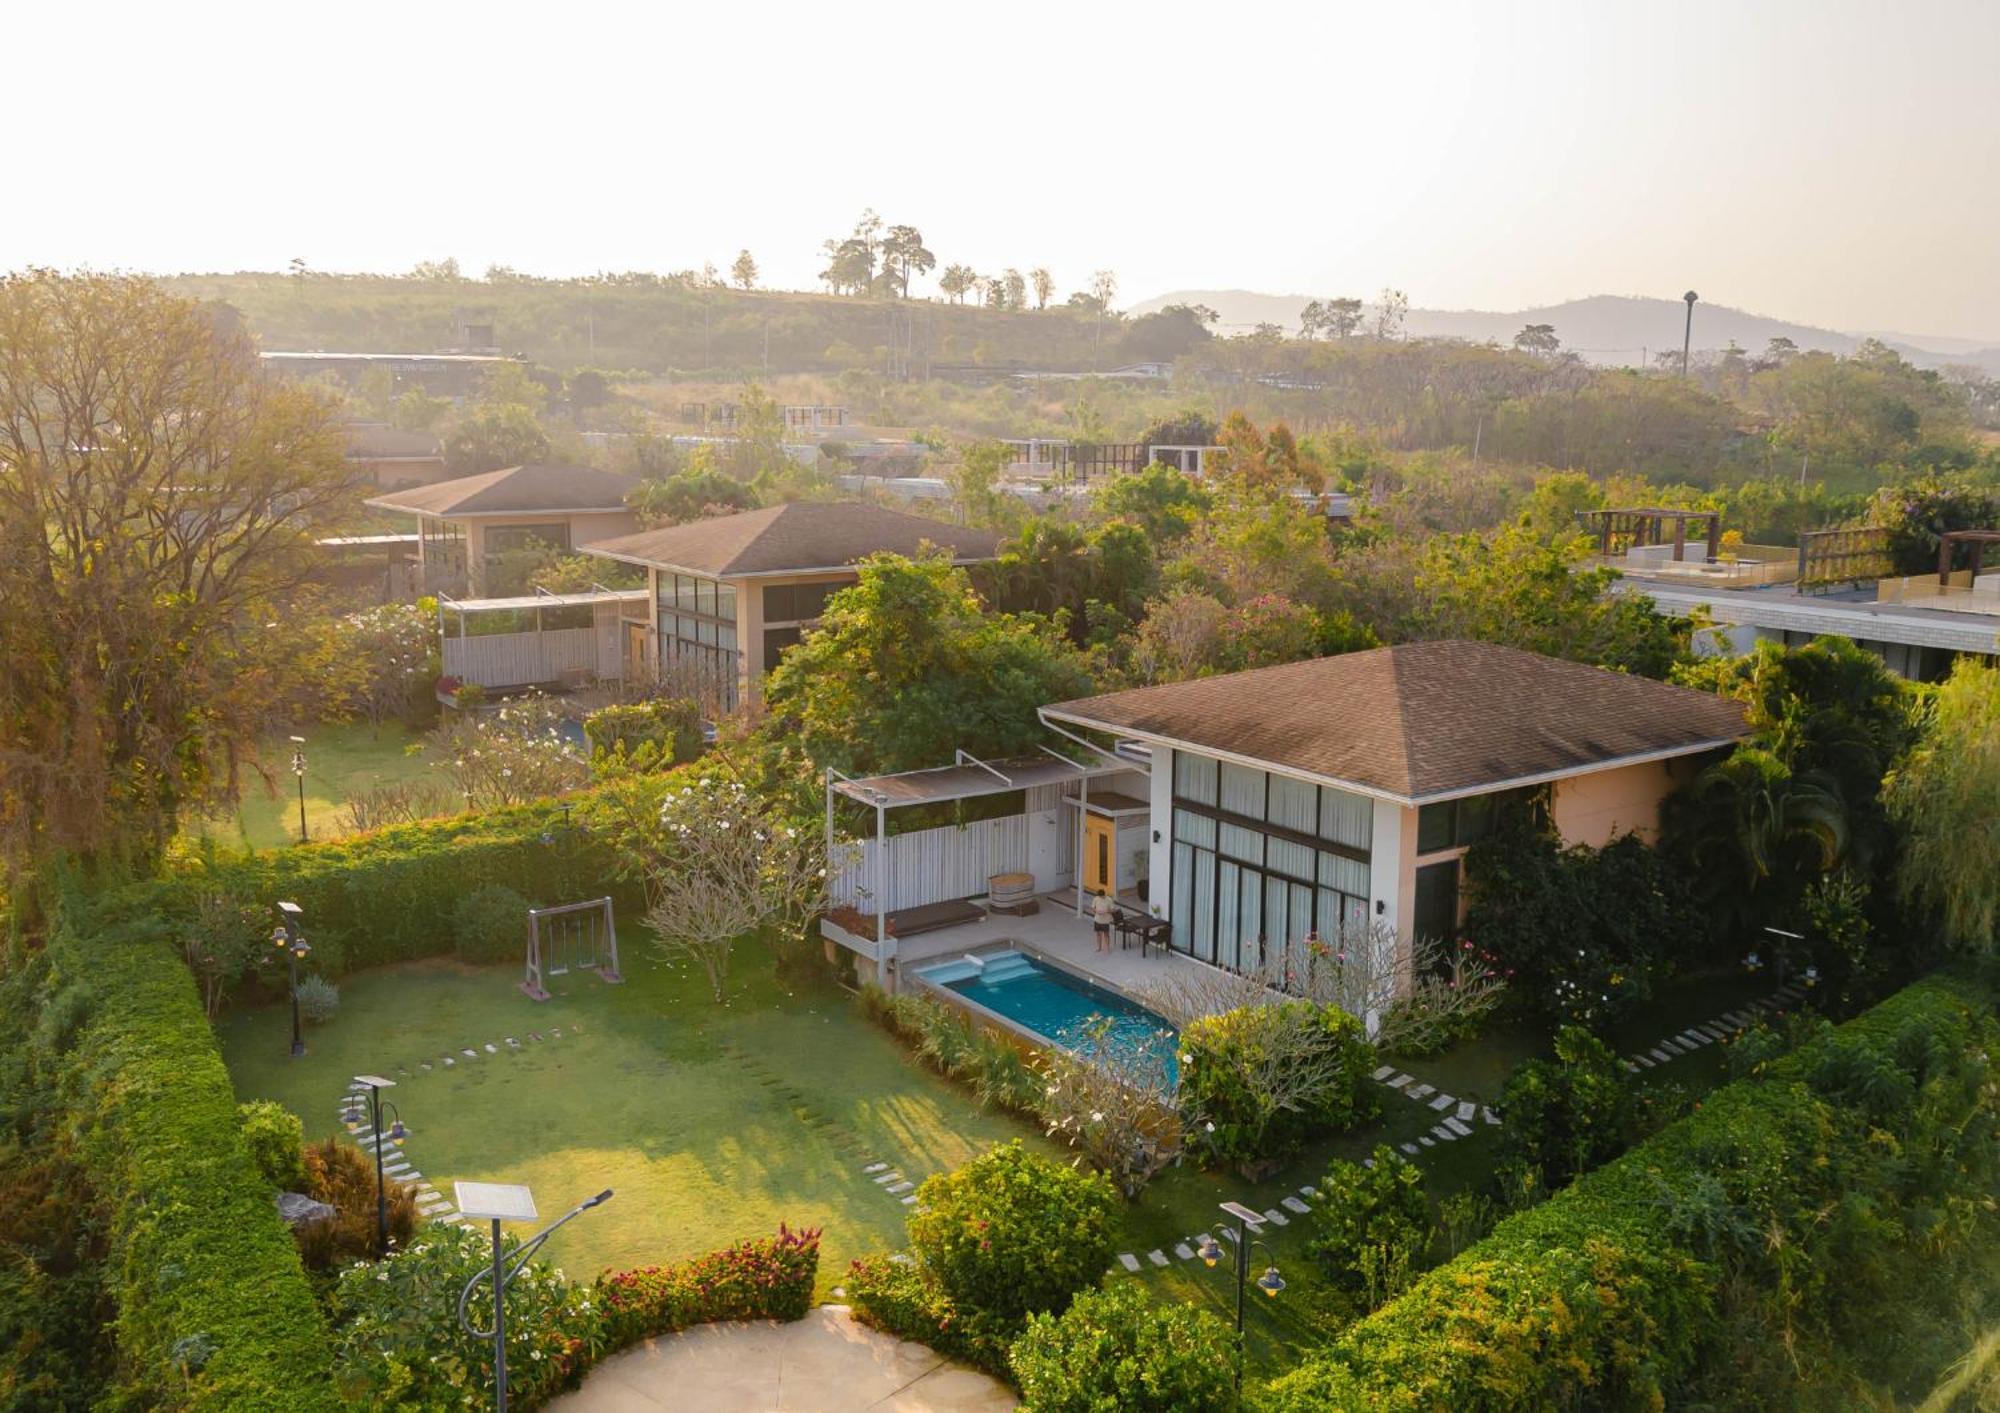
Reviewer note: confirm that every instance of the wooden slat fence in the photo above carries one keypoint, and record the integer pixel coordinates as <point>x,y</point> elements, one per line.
<point>931,865</point>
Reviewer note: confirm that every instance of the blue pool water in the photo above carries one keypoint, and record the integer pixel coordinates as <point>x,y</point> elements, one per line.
<point>1052,1003</point>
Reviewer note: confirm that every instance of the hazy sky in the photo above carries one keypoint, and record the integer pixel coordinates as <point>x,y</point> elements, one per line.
<point>1828,161</point>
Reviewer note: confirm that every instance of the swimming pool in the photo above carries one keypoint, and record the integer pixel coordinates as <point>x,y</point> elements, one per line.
<point>1056,1005</point>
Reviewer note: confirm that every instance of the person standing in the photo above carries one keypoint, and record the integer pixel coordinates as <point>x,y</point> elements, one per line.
<point>1100,921</point>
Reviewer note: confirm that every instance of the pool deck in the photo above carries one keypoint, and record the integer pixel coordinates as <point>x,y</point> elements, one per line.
<point>1056,932</point>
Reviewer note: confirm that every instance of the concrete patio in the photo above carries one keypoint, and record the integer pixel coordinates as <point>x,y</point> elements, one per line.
<point>1055,932</point>
<point>827,1361</point>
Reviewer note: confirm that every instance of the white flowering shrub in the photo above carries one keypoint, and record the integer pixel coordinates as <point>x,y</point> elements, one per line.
<point>518,753</point>
<point>399,1340</point>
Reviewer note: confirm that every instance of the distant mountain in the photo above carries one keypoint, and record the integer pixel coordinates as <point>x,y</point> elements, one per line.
<point>1604,328</point>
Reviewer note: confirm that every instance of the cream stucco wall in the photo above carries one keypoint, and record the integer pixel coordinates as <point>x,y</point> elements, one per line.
<point>582,530</point>
<point>1596,808</point>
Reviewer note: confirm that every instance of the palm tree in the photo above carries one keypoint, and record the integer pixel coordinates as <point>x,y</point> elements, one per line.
<point>1754,833</point>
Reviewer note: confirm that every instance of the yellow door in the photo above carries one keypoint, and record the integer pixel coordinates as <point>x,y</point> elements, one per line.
<point>1100,851</point>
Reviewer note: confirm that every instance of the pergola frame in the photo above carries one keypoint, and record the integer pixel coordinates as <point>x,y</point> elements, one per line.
<point>968,777</point>
<point>1646,525</point>
<point>1951,539</point>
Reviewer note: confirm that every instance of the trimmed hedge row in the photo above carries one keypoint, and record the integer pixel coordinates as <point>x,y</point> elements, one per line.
<point>392,895</point>
<point>1606,1295</point>
<point>768,1279</point>
<point>214,1308</point>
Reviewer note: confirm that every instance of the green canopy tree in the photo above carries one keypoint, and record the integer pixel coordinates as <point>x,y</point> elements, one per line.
<point>1946,797</point>
<point>908,666</point>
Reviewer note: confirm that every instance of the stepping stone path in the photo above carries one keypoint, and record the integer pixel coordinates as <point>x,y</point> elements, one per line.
<point>1713,1032</point>
<point>1400,1080</point>
<point>1158,1258</point>
<point>1128,1260</point>
<point>1294,1205</point>
<point>432,1205</point>
<point>1443,1134</point>
<point>1465,1107</point>
<point>1277,1218</point>
<point>899,1187</point>
<point>1409,1148</point>
<point>1422,1091</point>
<point>876,1168</point>
<point>1385,1072</point>
<point>1443,1102</point>
<point>1184,1251</point>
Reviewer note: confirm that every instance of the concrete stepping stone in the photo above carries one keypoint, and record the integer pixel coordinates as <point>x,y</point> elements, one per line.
<point>1693,1039</point>
<point>886,1178</point>
<point>876,1168</point>
<point>1660,1055</point>
<point>1277,1218</point>
<point>910,1201</point>
<point>1488,1115</point>
<point>491,1048</point>
<point>1384,1072</point>
<point>1309,1191</point>
<point>470,1054</point>
<point>1443,1102</point>
<point>1292,1204</point>
<point>425,1065</point>
<point>1422,1091</point>
<point>1459,1126</point>
<point>900,1187</point>
<point>1128,1260</point>
<point>1647,1061</point>
<point>1427,1140</point>
<point>1630,1066</point>
<point>1443,1134</point>
<point>1409,1148</point>
<point>1367,1162</point>
<point>1158,1258</point>
<point>1466,1109</point>
<point>1184,1251</point>
<point>1402,1079</point>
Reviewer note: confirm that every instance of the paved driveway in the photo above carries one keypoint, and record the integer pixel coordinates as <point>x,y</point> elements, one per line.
<point>826,1362</point>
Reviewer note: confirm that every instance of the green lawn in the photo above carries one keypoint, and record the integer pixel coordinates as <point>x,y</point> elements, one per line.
<point>340,761</point>
<point>712,1123</point>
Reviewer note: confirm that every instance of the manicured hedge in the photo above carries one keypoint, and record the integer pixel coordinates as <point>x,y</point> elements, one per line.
<point>392,895</point>
<point>1605,1296</point>
<point>214,1308</point>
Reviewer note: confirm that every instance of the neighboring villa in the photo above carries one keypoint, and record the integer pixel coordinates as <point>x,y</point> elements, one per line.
<point>467,528</point>
<point>728,595</point>
<point>390,457</point>
<point>1837,583</point>
<point>1249,809</point>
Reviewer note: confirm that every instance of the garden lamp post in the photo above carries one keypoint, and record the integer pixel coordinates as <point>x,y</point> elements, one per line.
<point>1782,951</point>
<point>375,1084</point>
<point>498,1202</point>
<point>1687,334</point>
<point>285,936</point>
<point>1270,1282</point>
<point>299,769</point>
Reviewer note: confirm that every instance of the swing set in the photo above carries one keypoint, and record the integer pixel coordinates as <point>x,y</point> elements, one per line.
<point>580,936</point>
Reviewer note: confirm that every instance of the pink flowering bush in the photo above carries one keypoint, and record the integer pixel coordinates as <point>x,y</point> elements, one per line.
<point>771,1279</point>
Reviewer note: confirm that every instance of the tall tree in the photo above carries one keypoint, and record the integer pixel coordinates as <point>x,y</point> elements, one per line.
<point>903,255</point>
<point>1045,285</point>
<point>157,498</point>
<point>1104,289</point>
<point>907,666</point>
<point>1538,339</point>
<point>744,270</point>
<point>957,281</point>
<point>1392,307</point>
<point>1015,288</point>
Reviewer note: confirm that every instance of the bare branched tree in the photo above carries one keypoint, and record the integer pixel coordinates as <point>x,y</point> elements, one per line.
<point>1412,999</point>
<point>1110,1098</point>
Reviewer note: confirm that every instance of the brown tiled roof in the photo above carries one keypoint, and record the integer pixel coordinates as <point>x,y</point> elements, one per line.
<point>516,490</point>
<point>1422,719</point>
<point>781,539</point>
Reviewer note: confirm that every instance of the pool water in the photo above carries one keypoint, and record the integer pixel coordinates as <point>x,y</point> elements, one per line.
<point>1052,1003</point>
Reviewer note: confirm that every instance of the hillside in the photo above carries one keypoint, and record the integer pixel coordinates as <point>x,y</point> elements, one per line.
<point>655,325</point>
<point>1610,329</point>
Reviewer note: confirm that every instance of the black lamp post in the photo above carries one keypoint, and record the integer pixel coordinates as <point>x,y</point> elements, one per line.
<point>375,1084</point>
<point>499,1202</point>
<point>1687,335</point>
<point>1270,1282</point>
<point>299,769</point>
<point>285,936</point>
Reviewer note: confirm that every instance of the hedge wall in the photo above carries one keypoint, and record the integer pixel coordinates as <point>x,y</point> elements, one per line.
<point>214,1308</point>
<point>390,895</point>
<point>1606,1295</point>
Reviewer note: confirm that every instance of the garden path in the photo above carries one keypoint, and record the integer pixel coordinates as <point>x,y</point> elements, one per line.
<point>827,1361</point>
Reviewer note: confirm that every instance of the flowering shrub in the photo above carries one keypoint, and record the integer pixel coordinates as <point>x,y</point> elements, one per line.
<point>1012,1232</point>
<point>771,1279</point>
<point>399,1344</point>
<point>1117,1349</point>
<point>1258,1082</point>
<point>517,753</point>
